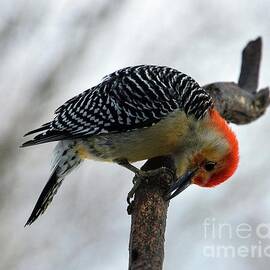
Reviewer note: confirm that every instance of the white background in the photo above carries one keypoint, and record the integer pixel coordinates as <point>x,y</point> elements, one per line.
<point>52,50</point>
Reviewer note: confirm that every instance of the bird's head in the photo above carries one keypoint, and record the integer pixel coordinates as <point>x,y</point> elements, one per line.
<point>219,158</point>
<point>214,159</point>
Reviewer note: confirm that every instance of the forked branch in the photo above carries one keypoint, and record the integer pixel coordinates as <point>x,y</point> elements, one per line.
<point>238,103</point>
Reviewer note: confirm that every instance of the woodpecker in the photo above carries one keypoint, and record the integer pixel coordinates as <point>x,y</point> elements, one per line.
<point>137,113</point>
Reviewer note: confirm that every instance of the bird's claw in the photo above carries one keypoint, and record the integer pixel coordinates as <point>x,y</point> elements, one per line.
<point>144,176</point>
<point>136,183</point>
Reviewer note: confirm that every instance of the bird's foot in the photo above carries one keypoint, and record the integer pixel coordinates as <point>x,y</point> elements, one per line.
<point>144,177</point>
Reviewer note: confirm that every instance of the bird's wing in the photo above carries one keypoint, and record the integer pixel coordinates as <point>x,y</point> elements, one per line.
<point>128,99</point>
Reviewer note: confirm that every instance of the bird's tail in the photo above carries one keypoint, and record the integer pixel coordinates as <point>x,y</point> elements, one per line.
<point>65,160</point>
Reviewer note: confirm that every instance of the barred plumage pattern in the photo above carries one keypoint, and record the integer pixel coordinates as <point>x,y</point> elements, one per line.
<point>128,99</point>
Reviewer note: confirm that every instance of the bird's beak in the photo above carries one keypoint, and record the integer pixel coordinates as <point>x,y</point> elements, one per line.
<point>181,184</point>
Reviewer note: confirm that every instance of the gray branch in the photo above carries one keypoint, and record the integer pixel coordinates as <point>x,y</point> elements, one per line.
<point>238,103</point>
<point>241,103</point>
<point>251,59</point>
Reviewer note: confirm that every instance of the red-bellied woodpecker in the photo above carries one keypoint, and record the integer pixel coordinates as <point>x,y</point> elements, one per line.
<point>137,113</point>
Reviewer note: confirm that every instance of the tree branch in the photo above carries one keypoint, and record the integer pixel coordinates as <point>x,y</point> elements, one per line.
<point>238,103</point>
<point>148,221</point>
<point>251,58</point>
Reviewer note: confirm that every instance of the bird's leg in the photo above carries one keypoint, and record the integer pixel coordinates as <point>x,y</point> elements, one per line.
<point>144,176</point>
<point>137,180</point>
<point>140,175</point>
<point>124,163</point>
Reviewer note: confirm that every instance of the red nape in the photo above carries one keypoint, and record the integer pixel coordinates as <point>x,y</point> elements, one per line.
<point>232,159</point>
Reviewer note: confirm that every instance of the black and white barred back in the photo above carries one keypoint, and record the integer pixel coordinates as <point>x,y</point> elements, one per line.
<point>128,99</point>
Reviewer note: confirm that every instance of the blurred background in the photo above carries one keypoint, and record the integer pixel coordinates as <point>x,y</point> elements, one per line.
<point>53,50</point>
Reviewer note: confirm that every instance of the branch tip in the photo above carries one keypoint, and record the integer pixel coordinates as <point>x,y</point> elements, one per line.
<point>251,58</point>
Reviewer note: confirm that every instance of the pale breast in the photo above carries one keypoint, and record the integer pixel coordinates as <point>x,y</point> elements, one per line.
<point>160,139</point>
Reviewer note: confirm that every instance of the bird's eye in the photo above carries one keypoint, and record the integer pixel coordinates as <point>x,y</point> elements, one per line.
<point>209,166</point>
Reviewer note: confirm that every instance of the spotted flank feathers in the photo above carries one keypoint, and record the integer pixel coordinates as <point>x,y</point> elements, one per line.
<point>128,99</point>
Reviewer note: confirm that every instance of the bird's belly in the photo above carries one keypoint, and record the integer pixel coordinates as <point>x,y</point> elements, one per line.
<point>162,138</point>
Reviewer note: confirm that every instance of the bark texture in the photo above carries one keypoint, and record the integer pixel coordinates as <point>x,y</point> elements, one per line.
<point>148,220</point>
<point>238,103</point>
